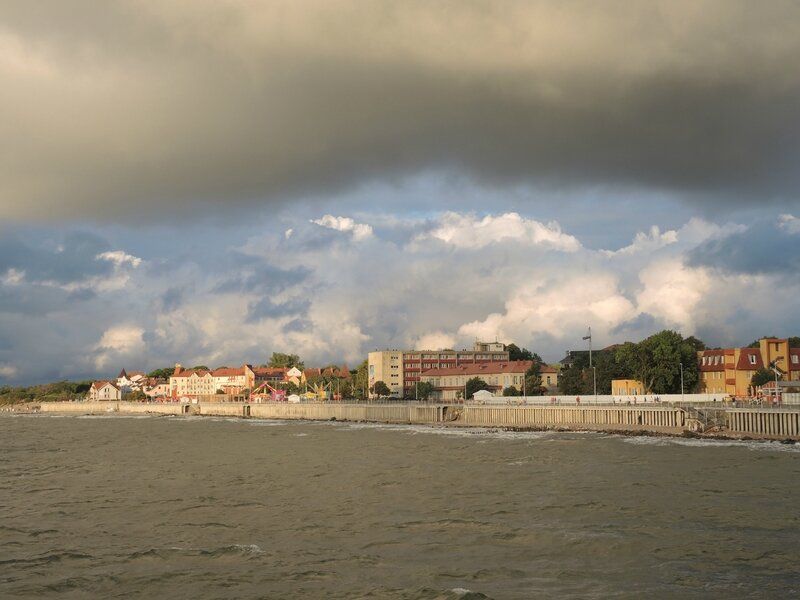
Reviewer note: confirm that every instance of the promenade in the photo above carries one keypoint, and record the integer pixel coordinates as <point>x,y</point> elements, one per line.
<point>778,423</point>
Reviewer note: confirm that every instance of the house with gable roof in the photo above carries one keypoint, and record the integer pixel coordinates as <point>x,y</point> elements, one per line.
<point>104,390</point>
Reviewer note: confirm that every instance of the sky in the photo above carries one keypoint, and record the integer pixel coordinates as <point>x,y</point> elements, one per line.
<point>209,182</point>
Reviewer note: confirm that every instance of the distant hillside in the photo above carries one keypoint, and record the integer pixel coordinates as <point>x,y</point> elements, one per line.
<point>46,392</point>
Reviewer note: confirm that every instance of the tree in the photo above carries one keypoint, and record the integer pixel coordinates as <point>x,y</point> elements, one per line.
<point>656,362</point>
<point>380,389</point>
<point>794,342</point>
<point>510,391</point>
<point>279,359</point>
<point>200,368</point>
<point>517,353</point>
<point>475,385</point>
<point>533,380</point>
<point>762,376</point>
<point>424,390</point>
<point>164,373</point>
<point>695,343</point>
<point>573,380</point>
<point>360,379</point>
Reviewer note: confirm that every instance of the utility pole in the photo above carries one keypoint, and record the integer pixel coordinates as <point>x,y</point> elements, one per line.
<point>588,336</point>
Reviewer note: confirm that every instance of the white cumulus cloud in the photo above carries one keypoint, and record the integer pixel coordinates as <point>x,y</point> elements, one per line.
<point>118,341</point>
<point>469,231</point>
<point>7,371</point>
<point>360,231</point>
<point>789,223</point>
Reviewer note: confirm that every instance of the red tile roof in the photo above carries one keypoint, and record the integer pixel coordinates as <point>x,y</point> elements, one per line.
<point>494,368</point>
<point>98,385</point>
<point>746,363</point>
<point>190,372</point>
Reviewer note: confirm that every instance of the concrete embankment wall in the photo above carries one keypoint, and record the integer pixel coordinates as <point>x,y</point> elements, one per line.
<point>774,422</point>
<point>770,423</point>
<point>595,417</point>
<point>104,408</point>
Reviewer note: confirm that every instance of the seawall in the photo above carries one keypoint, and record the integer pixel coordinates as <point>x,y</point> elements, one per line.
<point>768,423</point>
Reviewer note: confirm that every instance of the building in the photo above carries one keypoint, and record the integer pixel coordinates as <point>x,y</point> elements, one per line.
<point>232,381</point>
<point>190,383</point>
<point>104,390</point>
<point>401,369</point>
<point>448,384</point>
<point>627,387</point>
<point>729,371</point>
<point>134,381</point>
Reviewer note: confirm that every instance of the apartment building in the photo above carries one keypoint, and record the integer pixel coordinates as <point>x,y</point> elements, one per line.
<point>728,371</point>
<point>448,384</point>
<point>188,383</point>
<point>401,369</point>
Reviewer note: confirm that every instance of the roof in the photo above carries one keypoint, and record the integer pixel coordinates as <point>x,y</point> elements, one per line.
<point>99,385</point>
<point>122,374</point>
<point>190,372</point>
<point>720,366</point>
<point>228,372</point>
<point>494,368</point>
<point>749,364</point>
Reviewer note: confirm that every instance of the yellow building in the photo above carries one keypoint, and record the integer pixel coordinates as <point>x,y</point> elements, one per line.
<point>627,387</point>
<point>729,371</point>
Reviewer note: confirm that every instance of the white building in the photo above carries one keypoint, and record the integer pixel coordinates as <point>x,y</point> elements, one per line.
<point>104,390</point>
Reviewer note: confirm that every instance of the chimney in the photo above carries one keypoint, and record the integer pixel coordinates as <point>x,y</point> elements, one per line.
<point>178,369</point>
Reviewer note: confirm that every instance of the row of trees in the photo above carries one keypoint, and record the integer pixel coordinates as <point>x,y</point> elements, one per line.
<point>655,362</point>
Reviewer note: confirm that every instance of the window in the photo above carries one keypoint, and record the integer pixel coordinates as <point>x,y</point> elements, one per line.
<point>752,359</point>
<point>795,359</point>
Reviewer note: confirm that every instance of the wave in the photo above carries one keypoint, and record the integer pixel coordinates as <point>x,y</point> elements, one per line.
<point>753,445</point>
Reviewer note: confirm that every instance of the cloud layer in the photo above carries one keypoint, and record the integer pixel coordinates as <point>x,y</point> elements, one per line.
<point>86,306</point>
<point>143,109</point>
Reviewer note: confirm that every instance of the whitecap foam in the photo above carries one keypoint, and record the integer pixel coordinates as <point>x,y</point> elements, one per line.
<point>753,445</point>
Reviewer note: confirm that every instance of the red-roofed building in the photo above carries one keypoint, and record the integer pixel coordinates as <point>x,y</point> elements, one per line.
<point>729,371</point>
<point>104,390</point>
<point>448,384</point>
<point>189,383</point>
<point>233,381</point>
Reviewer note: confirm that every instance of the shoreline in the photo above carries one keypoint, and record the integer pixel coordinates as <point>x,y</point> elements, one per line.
<point>427,415</point>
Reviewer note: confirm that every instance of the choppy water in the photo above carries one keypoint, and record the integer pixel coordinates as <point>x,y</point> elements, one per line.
<point>116,507</point>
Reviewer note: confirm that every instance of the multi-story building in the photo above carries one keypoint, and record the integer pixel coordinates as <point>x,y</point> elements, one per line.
<point>232,381</point>
<point>729,371</point>
<point>449,383</point>
<point>401,369</point>
<point>191,383</point>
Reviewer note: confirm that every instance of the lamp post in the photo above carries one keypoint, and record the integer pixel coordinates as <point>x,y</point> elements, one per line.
<point>588,336</point>
<point>774,366</point>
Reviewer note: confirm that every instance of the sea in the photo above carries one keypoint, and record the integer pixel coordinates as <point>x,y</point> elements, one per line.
<point>206,508</point>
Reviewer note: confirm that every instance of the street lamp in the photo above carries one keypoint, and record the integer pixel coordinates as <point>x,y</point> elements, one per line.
<point>588,336</point>
<point>774,366</point>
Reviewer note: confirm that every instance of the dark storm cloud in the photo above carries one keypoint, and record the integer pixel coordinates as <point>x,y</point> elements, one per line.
<point>171,299</point>
<point>255,276</point>
<point>762,249</point>
<point>266,308</point>
<point>74,260</point>
<point>147,109</point>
